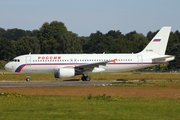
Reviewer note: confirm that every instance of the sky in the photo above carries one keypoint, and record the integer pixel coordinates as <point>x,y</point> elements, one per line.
<point>84,17</point>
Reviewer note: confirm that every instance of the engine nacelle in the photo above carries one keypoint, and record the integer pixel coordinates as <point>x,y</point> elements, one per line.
<point>64,73</point>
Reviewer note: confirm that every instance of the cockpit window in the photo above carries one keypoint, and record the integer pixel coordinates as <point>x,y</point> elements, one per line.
<point>16,60</point>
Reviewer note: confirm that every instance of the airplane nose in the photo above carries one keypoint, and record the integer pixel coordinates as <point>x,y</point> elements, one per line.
<point>8,67</point>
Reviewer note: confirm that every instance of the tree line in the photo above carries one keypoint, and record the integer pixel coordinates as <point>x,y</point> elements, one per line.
<point>54,38</point>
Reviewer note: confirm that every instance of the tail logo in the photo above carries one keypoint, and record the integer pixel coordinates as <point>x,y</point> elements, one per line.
<point>114,61</point>
<point>157,40</point>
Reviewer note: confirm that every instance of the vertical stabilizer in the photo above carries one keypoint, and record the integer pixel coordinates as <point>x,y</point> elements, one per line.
<point>159,43</point>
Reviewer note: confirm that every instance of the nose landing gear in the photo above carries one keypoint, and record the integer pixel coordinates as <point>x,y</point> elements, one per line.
<point>28,78</point>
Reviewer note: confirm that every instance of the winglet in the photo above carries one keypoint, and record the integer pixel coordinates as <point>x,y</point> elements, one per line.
<point>159,43</point>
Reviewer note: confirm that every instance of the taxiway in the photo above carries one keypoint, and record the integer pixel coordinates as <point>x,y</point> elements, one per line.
<point>62,83</point>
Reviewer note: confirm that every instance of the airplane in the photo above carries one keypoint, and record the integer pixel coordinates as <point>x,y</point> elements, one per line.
<point>70,65</point>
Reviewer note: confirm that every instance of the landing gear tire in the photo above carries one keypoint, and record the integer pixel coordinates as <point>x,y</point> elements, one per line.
<point>88,78</point>
<point>85,78</point>
<point>28,79</point>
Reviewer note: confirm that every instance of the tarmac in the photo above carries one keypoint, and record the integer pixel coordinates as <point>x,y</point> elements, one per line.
<point>60,83</point>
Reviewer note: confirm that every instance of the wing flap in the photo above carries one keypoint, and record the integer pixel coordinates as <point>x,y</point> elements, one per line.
<point>91,66</point>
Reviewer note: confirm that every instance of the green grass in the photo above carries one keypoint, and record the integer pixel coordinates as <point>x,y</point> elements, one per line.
<point>145,76</point>
<point>22,107</point>
<point>14,106</point>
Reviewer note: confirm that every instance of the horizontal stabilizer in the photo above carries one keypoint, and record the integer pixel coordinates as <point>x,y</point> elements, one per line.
<point>164,58</point>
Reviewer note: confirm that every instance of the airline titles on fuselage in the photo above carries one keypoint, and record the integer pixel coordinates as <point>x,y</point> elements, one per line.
<point>49,57</point>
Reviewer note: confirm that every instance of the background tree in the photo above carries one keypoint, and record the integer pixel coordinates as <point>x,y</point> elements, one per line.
<point>7,49</point>
<point>58,39</point>
<point>115,39</point>
<point>174,38</point>
<point>137,41</point>
<point>175,50</point>
<point>2,32</point>
<point>97,43</point>
<point>15,34</point>
<point>26,45</point>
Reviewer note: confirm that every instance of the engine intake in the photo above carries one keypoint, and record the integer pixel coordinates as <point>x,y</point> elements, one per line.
<point>64,73</point>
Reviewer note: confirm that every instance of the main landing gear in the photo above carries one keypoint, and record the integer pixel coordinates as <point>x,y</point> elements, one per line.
<point>85,78</point>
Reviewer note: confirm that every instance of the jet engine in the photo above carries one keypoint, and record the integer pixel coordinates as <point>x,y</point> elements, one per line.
<point>64,73</point>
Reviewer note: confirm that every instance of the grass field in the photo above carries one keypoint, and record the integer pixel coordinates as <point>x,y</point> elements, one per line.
<point>22,107</point>
<point>9,76</point>
<point>154,100</point>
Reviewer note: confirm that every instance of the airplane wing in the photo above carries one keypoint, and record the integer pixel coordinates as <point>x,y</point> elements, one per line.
<point>91,66</point>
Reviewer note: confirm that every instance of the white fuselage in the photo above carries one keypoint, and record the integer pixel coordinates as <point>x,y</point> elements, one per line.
<point>48,63</point>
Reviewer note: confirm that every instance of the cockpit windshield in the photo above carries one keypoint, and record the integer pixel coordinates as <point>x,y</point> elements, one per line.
<point>15,60</point>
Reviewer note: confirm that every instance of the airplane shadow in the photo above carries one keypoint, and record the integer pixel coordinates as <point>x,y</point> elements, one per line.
<point>71,80</point>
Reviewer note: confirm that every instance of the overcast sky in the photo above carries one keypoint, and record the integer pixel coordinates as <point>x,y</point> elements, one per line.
<point>84,17</point>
